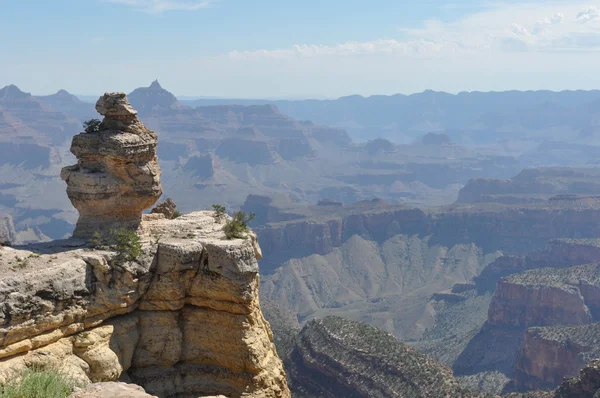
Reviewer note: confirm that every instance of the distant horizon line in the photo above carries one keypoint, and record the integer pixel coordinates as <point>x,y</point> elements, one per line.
<point>92,97</point>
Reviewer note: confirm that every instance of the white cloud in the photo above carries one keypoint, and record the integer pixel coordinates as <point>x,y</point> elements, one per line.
<point>545,23</point>
<point>557,18</point>
<point>535,27</point>
<point>159,6</point>
<point>519,30</point>
<point>415,48</point>
<point>588,14</point>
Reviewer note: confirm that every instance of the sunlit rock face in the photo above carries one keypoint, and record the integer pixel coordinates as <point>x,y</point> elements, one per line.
<point>182,320</point>
<point>117,175</point>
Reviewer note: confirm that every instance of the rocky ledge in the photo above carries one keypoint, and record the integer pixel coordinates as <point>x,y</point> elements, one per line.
<point>183,320</point>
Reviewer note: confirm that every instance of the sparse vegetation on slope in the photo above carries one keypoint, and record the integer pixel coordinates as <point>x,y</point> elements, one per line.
<point>219,211</point>
<point>335,357</point>
<point>37,383</point>
<point>237,227</point>
<point>126,243</point>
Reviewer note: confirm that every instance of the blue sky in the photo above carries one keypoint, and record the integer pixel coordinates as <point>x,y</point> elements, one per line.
<point>268,48</point>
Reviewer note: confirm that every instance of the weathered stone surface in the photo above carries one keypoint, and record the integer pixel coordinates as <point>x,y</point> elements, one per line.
<point>167,208</point>
<point>111,390</point>
<point>117,175</point>
<point>184,320</point>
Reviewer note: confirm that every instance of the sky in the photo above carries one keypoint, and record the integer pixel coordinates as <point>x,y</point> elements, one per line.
<point>299,49</point>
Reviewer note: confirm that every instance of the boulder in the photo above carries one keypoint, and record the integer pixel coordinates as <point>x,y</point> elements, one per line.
<point>167,208</point>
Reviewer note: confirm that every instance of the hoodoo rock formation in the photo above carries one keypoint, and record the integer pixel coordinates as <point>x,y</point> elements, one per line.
<point>117,175</point>
<point>181,317</point>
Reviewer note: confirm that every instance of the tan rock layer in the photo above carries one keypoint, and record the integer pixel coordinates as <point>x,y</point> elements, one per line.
<point>185,320</point>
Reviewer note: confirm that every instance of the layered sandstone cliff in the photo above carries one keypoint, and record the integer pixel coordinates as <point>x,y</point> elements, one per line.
<point>548,354</point>
<point>184,320</point>
<point>291,231</point>
<point>117,175</point>
<point>558,253</point>
<point>538,330</point>
<point>547,296</point>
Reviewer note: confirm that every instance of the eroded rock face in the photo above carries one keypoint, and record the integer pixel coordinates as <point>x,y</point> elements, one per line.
<point>111,390</point>
<point>184,320</point>
<point>117,175</point>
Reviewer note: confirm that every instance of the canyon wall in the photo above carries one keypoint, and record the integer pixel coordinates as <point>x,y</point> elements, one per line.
<point>540,327</point>
<point>549,354</point>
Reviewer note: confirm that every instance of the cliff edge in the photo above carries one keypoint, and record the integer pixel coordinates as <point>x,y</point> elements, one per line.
<point>183,320</point>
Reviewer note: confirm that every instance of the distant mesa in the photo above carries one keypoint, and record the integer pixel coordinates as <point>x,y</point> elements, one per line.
<point>328,202</point>
<point>67,103</point>
<point>27,119</point>
<point>202,166</point>
<point>379,145</point>
<point>436,139</point>
<point>153,98</point>
<point>12,93</point>
<point>534,185</point>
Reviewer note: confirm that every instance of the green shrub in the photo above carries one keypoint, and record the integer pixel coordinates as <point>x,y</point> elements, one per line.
<point>5,243</point>
<point>37,383</point>
<point>92,125</point>
<point>127,244</point>
<point>176,214</point>
<point>219,211</point>
<point>237,227</point>
<point>97,241</point>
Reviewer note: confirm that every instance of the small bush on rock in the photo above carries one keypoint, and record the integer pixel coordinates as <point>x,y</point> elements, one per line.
<point>127,244</point>
<point>92,125</point>
<point>219,211</point>
<point>176,214</point>
<point>97,241</point>
<point>5,243</point>
<point>37,383</point>
<point>237,227</point>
